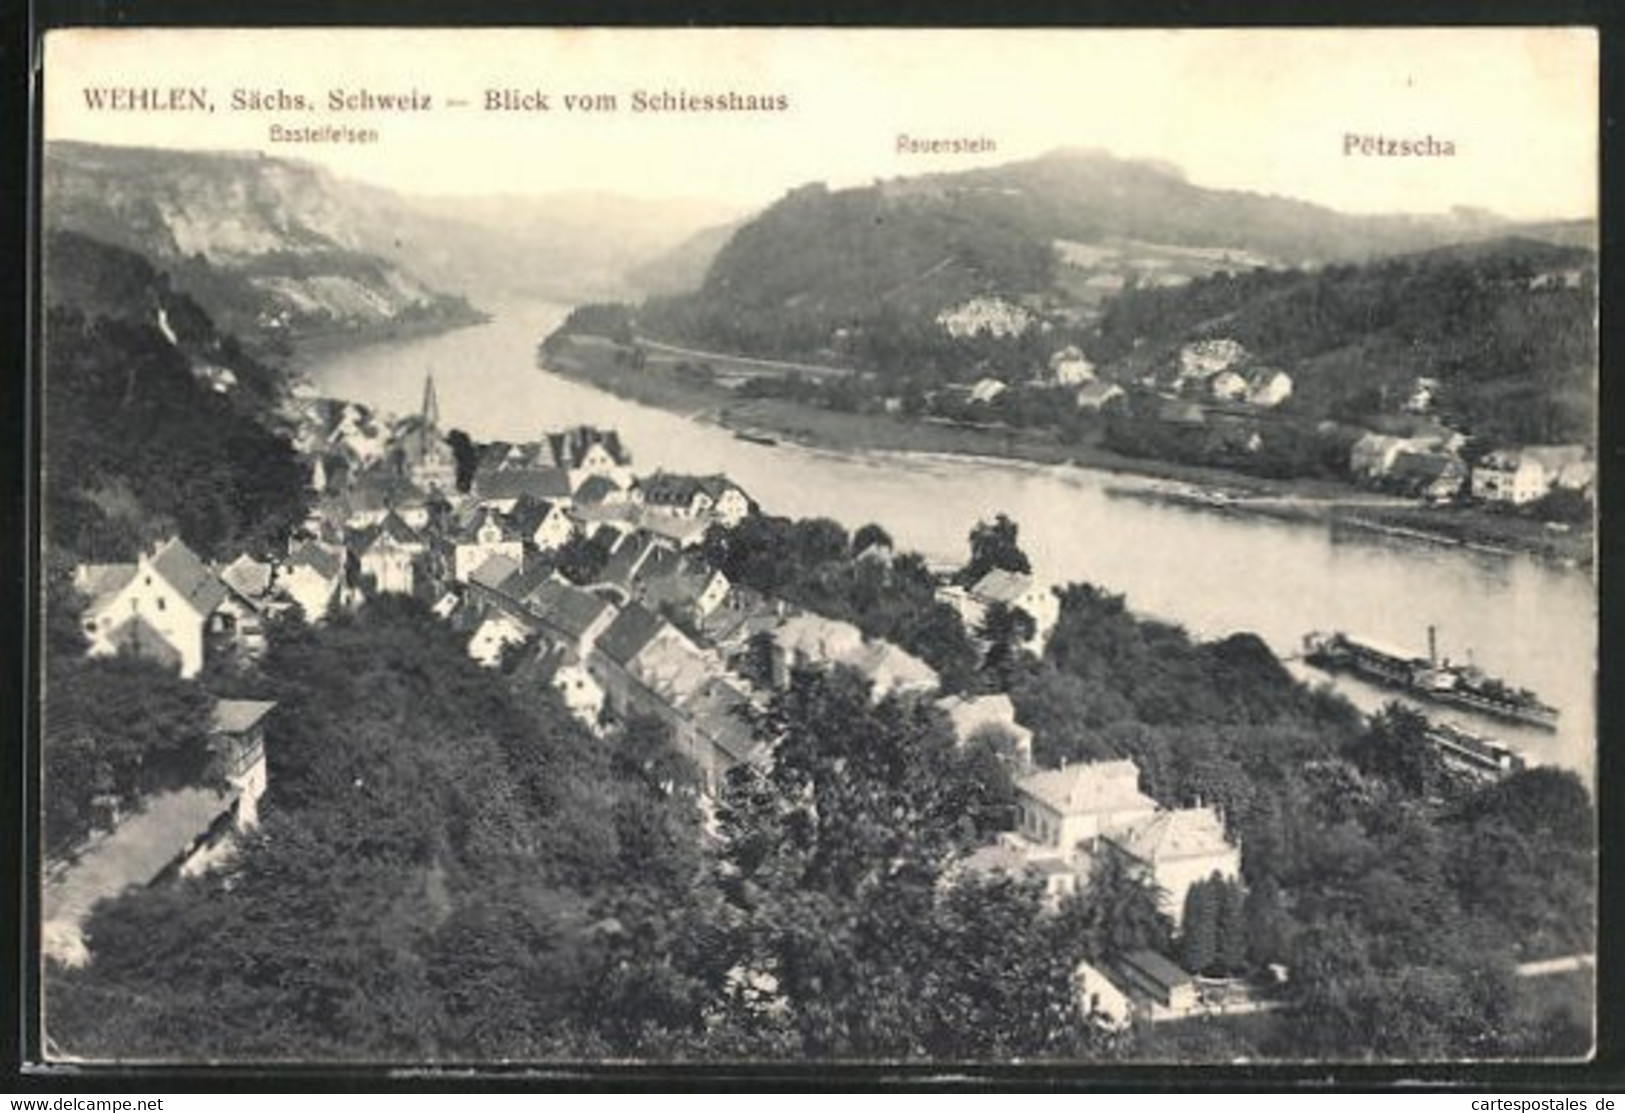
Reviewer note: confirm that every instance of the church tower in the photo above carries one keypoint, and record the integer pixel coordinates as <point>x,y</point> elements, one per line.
<point>431,405</point>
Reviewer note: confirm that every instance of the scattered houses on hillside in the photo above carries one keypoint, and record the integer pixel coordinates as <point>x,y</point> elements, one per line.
<point>1517,476</point>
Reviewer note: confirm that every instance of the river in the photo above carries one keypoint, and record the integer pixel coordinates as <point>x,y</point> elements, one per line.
<point>1530,623</point>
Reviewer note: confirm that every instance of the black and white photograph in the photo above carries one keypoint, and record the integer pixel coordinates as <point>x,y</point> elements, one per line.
<point>752,546</point>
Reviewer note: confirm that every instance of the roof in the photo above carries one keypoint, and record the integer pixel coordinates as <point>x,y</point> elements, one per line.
<point>1001,586</point>
<point>188,575</point>
<point>1423,466</point>
<point>544,666</point>
<point>569,448</point>
<point>529,512</point>
<point>717,707</point>
<point>394,527</point>
<point>247,577</point>
<point>626,558</point>
<point>891,669</point>
<point>135,853</point>
<point>234,716</point>
<point>565,607</point>
<point>1157,968</point>
<point>672,666</point>
<point>669,489</point>
<point>524,582</point>
<point>323,562</point>
<point>818,638</point>
<point>100,582</point>
<point>493,571</point>
<point>510,483</point>
<point>1184,833</point>
<point>140,637</point>
<point>633,629</point>
<point>971,713</point>
<point>1089,788</point>
<point>596,488</point>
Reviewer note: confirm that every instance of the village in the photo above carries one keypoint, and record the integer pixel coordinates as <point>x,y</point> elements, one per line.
<point>642,626</point>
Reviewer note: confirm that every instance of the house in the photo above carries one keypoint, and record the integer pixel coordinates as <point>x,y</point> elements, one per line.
<point>810,640</point>
<point>690,587</point>
<point>545,525</point>
<point>627,558</point>
<point>1424,391</point>
<point>1015,857</point>
<point>1017,590</point>
<point>1522,475</point>
<point>568,616</point>
<point>716,732</point>
<point>176,832</point>
<point>597,490</point>
<point>495,633</point>
<point>1169,991</point>
<point>994,316</point>
<point>1177,848</point>
<point>559,667</point>
<point>986,390</point>
<point>586,451</point>
<point>500,490</point>
<point>1069,367</point>
<point>989,716</point>
<point>163,606</point>
<point>694,496</point>
<point>1202,359</point>
<point>1097,395</point>
<point>389,555</point>
<point>1228,386</point>
<point>1268,387</point>
<point>313,577</point>
<point>892,671</point>
<point>485,533</point>
<point>1373,455</point>
<point>1103,1004</point>
<point>1076,804</point>
<point>248,602</point>
<point>611,658</point>
<point>1433,476</point>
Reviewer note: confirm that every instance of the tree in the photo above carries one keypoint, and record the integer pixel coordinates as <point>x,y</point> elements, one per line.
<point>1230,955</point>
<point>1396,748</point>
<point>868,537</point>
<point>993,545</point>
<point>468,458</point>
<point>1199,927</point>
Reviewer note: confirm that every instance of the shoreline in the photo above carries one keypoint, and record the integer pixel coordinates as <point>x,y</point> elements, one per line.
<point>1309,500</point>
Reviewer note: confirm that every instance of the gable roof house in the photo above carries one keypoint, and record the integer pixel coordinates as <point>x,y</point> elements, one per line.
<point>161,607</point>
<point>1017,590</point>
<point>586,451</point>
<point>501,489</point>
<point>1064,807</point>
<point>1097,395</point>
<point>695,496</point>
<point>973,716</point>
<point>313,577</point>
<point>545,525</point>
<point>1523,475</point>
<point>483,534</point>
<point>1178,848</point>
<point>1434,476</point>
<point>567,615</point>
<point>389,554</point>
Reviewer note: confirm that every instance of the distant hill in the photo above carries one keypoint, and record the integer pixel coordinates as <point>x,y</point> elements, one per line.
<point>275,251</point>
<point>278,251</point>
<point>821,263</point>
<point>682,268</point>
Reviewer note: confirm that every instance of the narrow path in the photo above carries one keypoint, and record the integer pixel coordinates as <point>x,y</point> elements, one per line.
<point>751,361</point>
<point>1565,965</point>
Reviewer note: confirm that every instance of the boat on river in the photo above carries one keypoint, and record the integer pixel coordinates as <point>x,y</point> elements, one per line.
<point>1427,677</point>
<point>1473,755</point>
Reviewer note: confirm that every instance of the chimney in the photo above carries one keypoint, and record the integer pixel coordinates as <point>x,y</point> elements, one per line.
<point>1433,646</point>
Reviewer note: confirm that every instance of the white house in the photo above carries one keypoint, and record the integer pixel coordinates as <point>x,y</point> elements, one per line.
<point>1017,590</point>
<point>1228,386</point>
<point>313,577</point>
<point>1523,475</point>
<point>1097,395</point>
<point>390,556</point>
<point>986,390</point>
<point>493,636</point>
<point>974,716</point>
<point>1268,387</point>
<point>163,606</point>
<point>1100,999</point>
<point>1062,808</point>
<point>1177,848</point>
<point>1069,367</point>
<point>485,536</point>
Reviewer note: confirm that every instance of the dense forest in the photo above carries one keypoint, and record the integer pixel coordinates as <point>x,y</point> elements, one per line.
<point>1507,328</point>
<point>154,423</point>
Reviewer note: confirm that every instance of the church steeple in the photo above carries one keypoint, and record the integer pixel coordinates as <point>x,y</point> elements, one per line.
<point>431,406</point>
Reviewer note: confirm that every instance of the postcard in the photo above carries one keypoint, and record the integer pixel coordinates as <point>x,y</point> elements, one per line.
<point>774,546</point>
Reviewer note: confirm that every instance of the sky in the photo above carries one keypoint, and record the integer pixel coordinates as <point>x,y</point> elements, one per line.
<point>1264,110</point>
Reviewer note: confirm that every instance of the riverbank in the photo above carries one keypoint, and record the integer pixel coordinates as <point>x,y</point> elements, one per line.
<point>1335,504</point>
